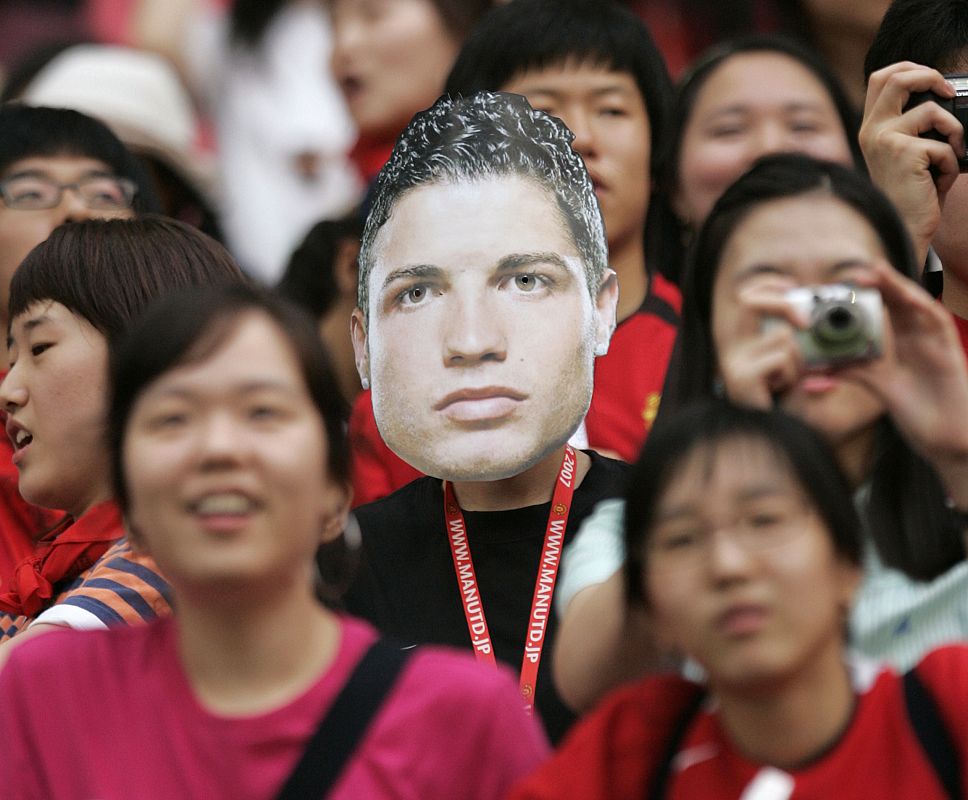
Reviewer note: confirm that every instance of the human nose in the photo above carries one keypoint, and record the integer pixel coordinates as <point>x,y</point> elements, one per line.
<point>13,394</point>
<point>219,441</point>
<point>348,38</point>
<point>727,557</point>
<point>474,333</point>
<point>581,125</point>
<point>73,207</point>
<point>772,137</point>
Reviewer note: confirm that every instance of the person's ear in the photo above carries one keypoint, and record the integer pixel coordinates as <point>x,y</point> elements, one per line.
<point>337,512</point>
<point>361,347</point>
<point>606,302</point>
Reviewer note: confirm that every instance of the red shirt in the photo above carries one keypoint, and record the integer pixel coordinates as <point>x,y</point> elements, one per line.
<point>21,523</point>
<point>614,753</point>
<point>377,470</point>
<point>629,378</point>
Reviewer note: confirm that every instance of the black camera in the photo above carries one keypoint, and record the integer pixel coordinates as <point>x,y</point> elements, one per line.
<point>957,105</point>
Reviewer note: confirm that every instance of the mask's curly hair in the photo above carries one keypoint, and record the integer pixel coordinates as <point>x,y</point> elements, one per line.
<point>487,135</point>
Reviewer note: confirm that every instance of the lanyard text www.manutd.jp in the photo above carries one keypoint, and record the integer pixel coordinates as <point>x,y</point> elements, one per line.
<point>544,587</point>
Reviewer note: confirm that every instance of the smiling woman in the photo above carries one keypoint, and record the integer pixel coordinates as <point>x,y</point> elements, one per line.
<point>71,296</point>
<point>231,467</point>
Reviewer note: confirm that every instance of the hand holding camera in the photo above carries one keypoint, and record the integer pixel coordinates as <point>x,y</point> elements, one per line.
<point>915,171</point>
<point>957,105</point>
<point>922,374</point>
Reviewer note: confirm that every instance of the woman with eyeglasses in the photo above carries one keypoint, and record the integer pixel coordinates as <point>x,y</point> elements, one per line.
<point>231,466</point>
<point>745,553</point>
<point>73,295</point>
<point>893,412</point>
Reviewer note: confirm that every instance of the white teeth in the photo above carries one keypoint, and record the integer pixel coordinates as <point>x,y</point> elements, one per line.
<point>22,438</point>
<point>223,504</point>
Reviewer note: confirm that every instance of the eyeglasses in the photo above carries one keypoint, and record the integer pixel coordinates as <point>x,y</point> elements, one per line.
<point>769,523</point>
<point>98,192</point>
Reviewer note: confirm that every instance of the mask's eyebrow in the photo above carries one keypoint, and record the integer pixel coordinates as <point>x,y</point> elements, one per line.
<point>515,261</point>
<point>413,271</point>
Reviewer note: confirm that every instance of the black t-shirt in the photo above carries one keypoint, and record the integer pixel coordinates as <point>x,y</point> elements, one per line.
<point>406,584</point>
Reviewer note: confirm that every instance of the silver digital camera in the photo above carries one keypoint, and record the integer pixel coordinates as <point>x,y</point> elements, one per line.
<point>845,323</point>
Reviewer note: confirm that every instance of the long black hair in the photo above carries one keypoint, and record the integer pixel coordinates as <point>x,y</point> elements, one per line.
<point>905,512</point>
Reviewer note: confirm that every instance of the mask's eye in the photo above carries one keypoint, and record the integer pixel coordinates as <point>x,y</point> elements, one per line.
<point>526,282</point>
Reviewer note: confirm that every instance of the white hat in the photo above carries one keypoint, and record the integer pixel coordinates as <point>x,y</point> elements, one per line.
<point>135,93</point>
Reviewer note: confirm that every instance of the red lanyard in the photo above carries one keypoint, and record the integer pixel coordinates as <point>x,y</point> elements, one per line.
<point>544,587</point>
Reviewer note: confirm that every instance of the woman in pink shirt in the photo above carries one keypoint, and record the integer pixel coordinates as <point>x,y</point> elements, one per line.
<point>231,469</point>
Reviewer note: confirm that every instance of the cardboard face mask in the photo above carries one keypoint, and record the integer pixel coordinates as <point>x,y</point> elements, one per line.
<point>481,329</point>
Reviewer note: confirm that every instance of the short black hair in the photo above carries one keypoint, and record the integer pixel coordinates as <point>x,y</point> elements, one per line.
<point>530,35</point>
<point>929,32</point>
<point>708,424</point>
<point>309,280</point>
<point>37,131</point>
<point>487,135</point>
<point>190,324</point>
<point>906,510</point>
<point>109,270</point>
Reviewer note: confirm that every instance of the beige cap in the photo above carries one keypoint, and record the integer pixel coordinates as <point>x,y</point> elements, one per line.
<point>138,95</point>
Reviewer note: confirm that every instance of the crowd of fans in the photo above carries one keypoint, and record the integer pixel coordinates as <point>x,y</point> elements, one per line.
<point>480,399</point>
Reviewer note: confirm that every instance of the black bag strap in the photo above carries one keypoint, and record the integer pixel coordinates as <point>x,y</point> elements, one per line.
<point>660,308</point>
<point>935,739</point>
<point>340,731</point>
<point>660,780</point>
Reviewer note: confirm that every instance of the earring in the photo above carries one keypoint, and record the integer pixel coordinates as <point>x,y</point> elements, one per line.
<point>365,383</point>
<point>601,348</point>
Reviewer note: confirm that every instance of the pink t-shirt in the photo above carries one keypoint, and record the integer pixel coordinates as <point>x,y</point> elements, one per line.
<point>110,715</point>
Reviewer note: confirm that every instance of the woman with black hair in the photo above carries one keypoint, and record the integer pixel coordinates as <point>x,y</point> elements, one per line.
<point>230,465</point>
<point>742,99</point>
<point>73,295</point>
<point>894,419</point>
<point>744,553</point>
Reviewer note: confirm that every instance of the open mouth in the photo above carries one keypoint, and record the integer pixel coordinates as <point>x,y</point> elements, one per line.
<point>18,435</point>
<point>352,87</point>
<point>223,504</point>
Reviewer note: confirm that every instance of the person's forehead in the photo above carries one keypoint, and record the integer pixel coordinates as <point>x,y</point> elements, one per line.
<point>253,351</point>
<point>733,464</point>
<point>740,74</point>
<point>63,167</point>
<point>561,74</point>
<point>446,221</point>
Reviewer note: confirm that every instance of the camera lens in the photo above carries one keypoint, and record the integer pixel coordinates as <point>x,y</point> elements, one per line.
<point>838,323</point>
